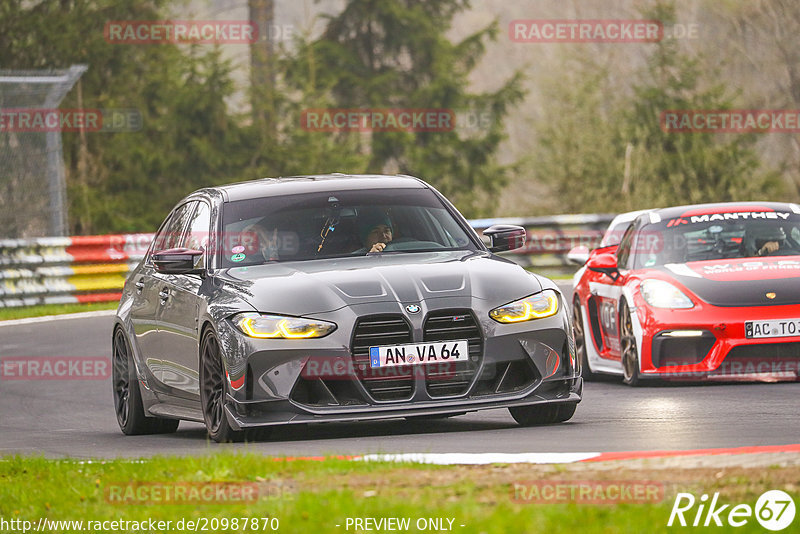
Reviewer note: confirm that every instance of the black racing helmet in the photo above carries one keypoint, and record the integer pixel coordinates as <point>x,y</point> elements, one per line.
<point>760,233</point>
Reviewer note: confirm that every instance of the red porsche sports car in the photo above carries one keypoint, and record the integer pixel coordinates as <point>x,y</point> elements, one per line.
<point>702,291</point>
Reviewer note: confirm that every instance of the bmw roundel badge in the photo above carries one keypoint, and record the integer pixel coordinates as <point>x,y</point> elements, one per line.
<point>412,308</point>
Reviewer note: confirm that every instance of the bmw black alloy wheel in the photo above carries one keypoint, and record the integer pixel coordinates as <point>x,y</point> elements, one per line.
<point>120,376</point>
<point>213,390</point>
<point>543,414</point>
<point>213,385</point>
<point>127,395</point>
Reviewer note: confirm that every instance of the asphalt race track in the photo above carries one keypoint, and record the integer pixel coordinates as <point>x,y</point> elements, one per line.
<point>76,418</point>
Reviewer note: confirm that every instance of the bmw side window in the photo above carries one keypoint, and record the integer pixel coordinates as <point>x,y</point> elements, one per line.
<point>171,233</point>
<point>158,240</point>
<point>197,236</point>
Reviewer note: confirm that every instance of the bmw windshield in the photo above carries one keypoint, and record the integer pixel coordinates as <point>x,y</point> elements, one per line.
<point>338,224</point>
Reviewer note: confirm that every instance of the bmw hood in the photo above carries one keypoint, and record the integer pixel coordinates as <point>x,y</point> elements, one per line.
<point>302,288</point>
<point>741,282</point>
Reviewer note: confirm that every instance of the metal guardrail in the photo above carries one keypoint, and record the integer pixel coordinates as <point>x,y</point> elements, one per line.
<point>62,270</point>
<point>551,237</point>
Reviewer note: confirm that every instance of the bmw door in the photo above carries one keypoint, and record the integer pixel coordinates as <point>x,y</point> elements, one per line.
<point>179,306</point>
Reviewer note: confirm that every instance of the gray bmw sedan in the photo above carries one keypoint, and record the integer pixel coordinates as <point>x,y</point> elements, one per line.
<point>334,298</point>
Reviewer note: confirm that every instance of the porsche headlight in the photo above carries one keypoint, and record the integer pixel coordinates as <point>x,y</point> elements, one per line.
<point>281,327</point>
<point>538,306</point>
<point>661,294</point>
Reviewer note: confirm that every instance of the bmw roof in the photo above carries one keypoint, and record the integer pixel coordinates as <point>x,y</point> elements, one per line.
<point>316,183</point>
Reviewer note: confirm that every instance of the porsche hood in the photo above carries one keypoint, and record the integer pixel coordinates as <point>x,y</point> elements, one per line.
<point>741,282</point>
<point>302,288</point>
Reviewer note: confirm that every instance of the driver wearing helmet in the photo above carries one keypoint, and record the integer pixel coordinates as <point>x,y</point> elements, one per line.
<point>766,239</point>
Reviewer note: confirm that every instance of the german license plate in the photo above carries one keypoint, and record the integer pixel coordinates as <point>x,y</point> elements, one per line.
<point>418,353</point>
<point>773,328</point>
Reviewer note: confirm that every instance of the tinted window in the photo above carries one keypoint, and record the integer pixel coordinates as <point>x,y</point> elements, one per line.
<point>614,235</point>
<point>624,250</point>
<point>158,240</point>
<point>173,236</point>
<point>197,236</point>
<point>171,233</point>
<point>336,224</point>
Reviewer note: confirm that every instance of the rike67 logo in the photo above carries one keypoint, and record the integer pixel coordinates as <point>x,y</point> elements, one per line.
<point>774,510</point>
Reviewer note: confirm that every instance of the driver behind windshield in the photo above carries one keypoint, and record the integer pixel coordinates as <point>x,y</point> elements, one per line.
<point>766,239</point>
<point>264,241</point>
<point>374,230</point>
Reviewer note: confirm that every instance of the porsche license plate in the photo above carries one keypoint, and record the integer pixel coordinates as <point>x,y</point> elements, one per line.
<point>418,354</point>
<point>772,328</point>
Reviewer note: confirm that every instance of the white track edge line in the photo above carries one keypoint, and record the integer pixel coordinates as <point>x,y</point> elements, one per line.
<point>47,318</point>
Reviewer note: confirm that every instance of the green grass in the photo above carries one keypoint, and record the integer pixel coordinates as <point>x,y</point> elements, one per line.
<point>53,309</point>
<point>315,496</point>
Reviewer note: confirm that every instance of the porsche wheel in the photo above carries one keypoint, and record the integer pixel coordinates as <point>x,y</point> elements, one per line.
<point>127,396</point>
<point>630,354</point>
<point>580,341</point>
<point>543,414</point>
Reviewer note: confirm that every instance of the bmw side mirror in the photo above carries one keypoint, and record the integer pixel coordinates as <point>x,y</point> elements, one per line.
<point>604,263</point>
<point>505,237</point>
<point>578,255</point>
<point>178,261</point>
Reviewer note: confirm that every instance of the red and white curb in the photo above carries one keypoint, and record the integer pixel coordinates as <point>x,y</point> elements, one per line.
<point>457,458</point>
<point>543,457</point>
<point>607,456</point>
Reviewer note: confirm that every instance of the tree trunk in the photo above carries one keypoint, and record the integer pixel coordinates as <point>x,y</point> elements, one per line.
<point>262,71</point>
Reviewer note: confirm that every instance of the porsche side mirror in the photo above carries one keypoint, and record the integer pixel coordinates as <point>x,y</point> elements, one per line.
<point>505,237</point>
<point>604,263</point>
<point>178,261</point>
<point>578,255</point>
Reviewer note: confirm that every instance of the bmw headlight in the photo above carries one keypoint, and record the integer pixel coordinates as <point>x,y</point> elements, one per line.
<point>281,327</point>
<point>661,294</point>
<point>538,306</point>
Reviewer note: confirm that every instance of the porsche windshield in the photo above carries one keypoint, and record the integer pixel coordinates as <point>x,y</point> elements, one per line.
<point>338,224</point>
<point>715,236</point>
